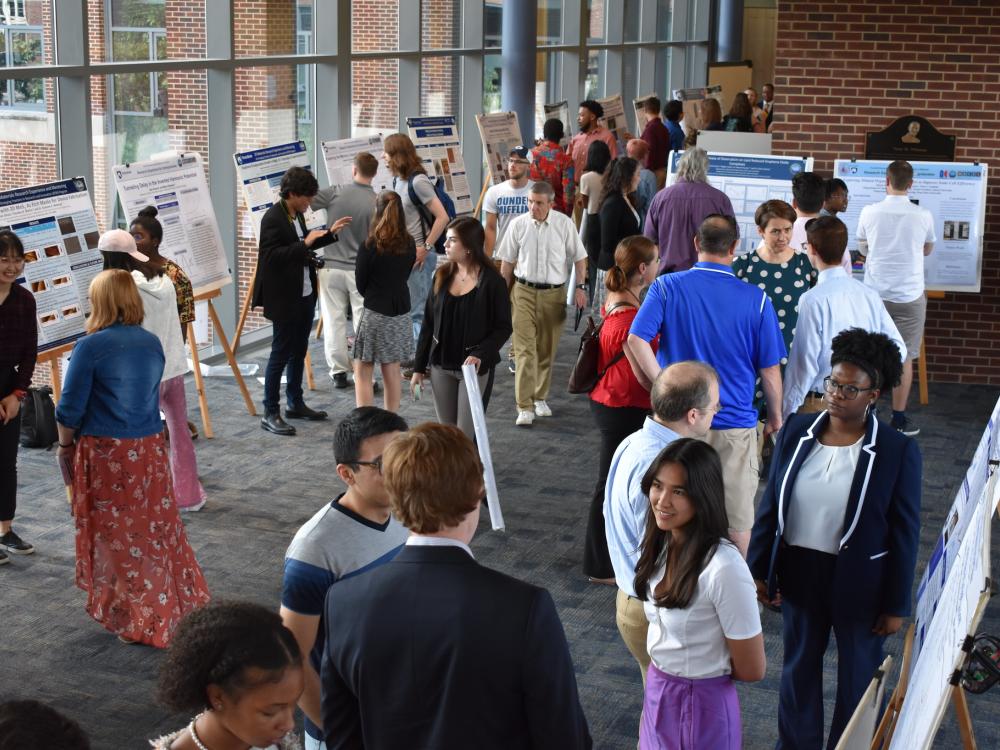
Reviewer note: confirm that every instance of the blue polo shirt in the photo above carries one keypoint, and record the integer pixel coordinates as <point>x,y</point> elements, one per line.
<point>707,314</point>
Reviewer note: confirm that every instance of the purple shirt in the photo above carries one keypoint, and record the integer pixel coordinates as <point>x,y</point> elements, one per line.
<point>673,219</point>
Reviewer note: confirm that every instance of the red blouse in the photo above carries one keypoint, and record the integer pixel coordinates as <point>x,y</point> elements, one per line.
<point>619,386</point>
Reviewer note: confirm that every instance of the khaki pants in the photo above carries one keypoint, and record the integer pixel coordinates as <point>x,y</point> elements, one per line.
<point>538,315</point>
<point>737,449</point>
<point>337,291</point>
<point>633,626</point>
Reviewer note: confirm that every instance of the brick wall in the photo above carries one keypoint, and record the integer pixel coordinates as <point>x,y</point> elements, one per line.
<point>846,68</point>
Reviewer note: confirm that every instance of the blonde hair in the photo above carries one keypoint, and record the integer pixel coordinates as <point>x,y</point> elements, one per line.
<point>630,252</point>
<point>403,159</point>
<point>433,476</point>
<point>114,298</point>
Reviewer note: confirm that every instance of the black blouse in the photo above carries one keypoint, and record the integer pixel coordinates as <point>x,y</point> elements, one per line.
<point>456,311</point>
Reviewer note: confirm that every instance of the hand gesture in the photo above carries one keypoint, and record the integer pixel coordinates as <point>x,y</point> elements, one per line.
<point>340,224</point>
<point>315,234</point>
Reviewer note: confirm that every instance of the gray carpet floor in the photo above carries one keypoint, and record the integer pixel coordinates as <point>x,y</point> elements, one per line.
<point>262,488</point>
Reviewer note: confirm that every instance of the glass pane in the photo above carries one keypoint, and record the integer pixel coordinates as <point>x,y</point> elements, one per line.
<point>630,85</point>
<point>27,146</point>
<point>144,14</point>
<point>133,92</point>
<point>119,24</point>
<point>550,21</point>
<point>596,71</point>
<point>375,26</point>
<point>273,27</point>
<point>549,70</point>
<point>664,20</point>
<point>595,21</point>
<point>492,22</point>
<point>441,87</point>
<point>374,96</point>
<point>130,45</point>
<point>632,19</point>
<point>440,24</point>
<point>662,76</point>
<point>492,75</point>
<point>4,84</point>
<point>26,49</point>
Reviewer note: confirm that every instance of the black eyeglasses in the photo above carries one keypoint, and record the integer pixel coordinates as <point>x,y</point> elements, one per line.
<point>848,391</point>
<point>376,463</point>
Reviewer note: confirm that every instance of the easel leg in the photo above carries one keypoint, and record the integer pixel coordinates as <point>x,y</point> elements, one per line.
<point>310,382</point>
<point>244,311</point>
<point>56,379</point>
<point>963,718</point>
<point>199,383</point>
<point>221,335</point>
<point>922,374</point>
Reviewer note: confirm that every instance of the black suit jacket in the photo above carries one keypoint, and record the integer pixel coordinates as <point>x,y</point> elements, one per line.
<point>617,223</point>
<point>433,650</point>
<point>280,259</point>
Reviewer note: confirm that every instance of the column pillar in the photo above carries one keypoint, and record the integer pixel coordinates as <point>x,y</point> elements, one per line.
<point>730,31</point>
<point>518,48</point>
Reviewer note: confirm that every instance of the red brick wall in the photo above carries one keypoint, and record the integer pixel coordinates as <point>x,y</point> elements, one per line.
<point>846,68</point>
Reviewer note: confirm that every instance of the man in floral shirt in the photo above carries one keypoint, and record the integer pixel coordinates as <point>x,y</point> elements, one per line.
<point>551,163</point>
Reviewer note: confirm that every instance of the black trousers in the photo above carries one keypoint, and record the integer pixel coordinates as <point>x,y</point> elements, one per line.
<point>289,346</point>
<point>10,434</point>
<point>614,424</point>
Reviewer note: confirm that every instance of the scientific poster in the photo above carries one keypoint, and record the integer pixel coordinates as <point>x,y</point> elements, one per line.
<point>560,111</point>
<point>260,172</point>
<point>440,149</point>
<point>191,238</point>
<point>338,156</point>
<point>500,133</point>
<point>692,98</point>
<point>640,112</point>
<point>954,193</point>
<point>614,117</point>
<point>749,180</point>
<point>57,224</point>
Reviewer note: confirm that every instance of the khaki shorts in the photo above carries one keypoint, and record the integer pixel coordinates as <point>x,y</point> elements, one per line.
<point>909,318</point>
<point>737,449</point>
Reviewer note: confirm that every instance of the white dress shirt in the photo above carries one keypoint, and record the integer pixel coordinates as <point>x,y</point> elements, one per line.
<point>836,303</point>
<point>819,498</point>
<point>437,541</point>
<point>542,252</point>
<point>896,232</point>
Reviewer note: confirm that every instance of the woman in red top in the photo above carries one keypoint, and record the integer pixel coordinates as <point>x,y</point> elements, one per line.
<point>618,402</point>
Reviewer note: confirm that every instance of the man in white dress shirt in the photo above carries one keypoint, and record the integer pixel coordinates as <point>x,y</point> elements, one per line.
<point>894,236</point>
<point>836,303</point>
<point>537,253</point>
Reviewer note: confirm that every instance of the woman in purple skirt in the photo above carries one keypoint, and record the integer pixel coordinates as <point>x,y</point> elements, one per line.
<point>701,603</point>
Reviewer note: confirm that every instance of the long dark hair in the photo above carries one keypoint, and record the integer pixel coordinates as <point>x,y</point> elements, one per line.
<point>388,231</point>
<point>702,535</point>
<point>619,178</point>
<point>473,238</point>
<point>598,157</point>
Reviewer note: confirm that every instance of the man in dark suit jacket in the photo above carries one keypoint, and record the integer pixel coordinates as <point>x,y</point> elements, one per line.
<point>285,286</point>
<point>433,650</point>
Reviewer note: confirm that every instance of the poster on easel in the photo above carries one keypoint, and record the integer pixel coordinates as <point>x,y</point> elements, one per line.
<point>440,149</point>
<point>58,227</point>
<point>641,118</point>
<point>338,157</point>
<point>177,187</point>
<point>259,172</point>
<point>748,180</point>
<point>500,132</point>
<point>954,193</point>
<point>614,117</point>
<point>560,111</point>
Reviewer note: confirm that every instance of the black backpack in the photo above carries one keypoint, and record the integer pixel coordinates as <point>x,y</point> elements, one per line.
<point>38,419</point>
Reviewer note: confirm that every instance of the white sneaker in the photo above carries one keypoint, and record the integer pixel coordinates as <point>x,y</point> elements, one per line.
<point>524,418</point>
<point>542,409</point>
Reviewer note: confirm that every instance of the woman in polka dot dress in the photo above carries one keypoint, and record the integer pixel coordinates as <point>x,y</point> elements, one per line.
<point>782,273</point>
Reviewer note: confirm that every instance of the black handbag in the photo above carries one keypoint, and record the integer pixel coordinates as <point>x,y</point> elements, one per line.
<point>585,376</point>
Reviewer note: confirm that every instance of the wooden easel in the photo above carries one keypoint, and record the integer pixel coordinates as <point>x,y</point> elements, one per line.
<point>922,360</point>
<point>883,733</point>
<point>52,357</point>
<point>482,194</point>
<point>220,333</point>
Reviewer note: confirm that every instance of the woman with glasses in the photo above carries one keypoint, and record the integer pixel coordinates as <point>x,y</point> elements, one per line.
<point>18,349</point>
<point>835,539</point>
<point>466,321</point>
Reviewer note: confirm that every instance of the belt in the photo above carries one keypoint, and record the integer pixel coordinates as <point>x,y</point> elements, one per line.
<point>815,394</point>
<point>533,285</point>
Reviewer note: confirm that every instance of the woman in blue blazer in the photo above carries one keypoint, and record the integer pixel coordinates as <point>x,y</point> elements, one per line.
<point>835,539</point>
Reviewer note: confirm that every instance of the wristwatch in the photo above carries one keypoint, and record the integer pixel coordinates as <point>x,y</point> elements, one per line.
<point>583,287</point>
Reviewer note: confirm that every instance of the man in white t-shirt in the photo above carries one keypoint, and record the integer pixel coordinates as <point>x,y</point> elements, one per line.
<point>894,236</point>
<point>509,199</point>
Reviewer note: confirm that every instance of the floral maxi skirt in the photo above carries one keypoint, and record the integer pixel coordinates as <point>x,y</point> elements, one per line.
<point>132,554</point>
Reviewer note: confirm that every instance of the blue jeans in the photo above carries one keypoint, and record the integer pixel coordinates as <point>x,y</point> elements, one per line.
<point>289,345</point>
<point>419,283</point>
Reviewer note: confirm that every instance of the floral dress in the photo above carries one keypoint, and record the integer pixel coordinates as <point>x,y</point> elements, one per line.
<point>184,290</point>
<point>784,283</point>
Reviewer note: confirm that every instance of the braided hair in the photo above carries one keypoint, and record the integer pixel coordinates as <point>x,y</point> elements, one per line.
<point>875,353</point>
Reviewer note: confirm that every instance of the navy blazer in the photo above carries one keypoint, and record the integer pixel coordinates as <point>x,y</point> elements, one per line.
<point>433,650</point>
<point>878,548</point>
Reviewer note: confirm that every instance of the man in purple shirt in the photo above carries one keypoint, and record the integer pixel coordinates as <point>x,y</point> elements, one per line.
<point>658,139</point>
<point>676,212</point>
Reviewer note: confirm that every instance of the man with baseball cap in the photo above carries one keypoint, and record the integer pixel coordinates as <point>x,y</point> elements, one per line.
<point>509,199</point>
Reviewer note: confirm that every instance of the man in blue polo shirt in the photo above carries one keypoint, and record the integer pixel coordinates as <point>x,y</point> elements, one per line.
<point>347,537</point>
<point>709,315</point>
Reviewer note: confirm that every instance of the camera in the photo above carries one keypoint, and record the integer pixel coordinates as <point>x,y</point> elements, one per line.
<point>316,261</point>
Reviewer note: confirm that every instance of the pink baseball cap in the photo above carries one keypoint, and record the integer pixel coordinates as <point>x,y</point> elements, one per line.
<point>120,241</point>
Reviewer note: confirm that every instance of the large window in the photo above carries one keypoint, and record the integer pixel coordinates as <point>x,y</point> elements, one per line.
<point>21,45</point>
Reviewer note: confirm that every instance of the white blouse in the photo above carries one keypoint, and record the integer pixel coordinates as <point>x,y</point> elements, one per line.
<point>691,642</point>
<point>818,502</point>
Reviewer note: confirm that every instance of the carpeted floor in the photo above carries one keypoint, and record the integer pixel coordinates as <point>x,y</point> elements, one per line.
<point>262,487</point>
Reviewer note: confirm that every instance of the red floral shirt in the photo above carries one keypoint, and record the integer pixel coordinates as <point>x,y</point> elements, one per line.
<point>550,163</point>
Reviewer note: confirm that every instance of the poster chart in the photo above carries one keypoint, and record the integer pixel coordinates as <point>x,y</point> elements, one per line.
<point>560,111</point>
<point>57,224</point>
<point>177,187</point>
<point>955,194</point>
<point>338,156</point>
<point>500,133</point>
<point>260,171</point>
<point>639,103</point>
<point>614,117</point>
<point>691,98</point>
<point>749,180</point>
<point>942,560</point>
<point>440,149</point>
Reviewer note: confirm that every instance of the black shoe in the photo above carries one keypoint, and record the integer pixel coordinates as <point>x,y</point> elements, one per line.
<point>340,380</point>
<point>377,386</point>
<point>304,412</point>
<point>274,423</point>
<point>15,544</point>
<point>906,426</point>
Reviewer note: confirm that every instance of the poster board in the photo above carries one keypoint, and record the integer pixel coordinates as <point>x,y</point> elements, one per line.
<point>560,111</point>
<point>500,133</point>
<point>748,180</point>
<point>954,193</point>
<point>942,558</point>
<point>614,117</point>
<point>639,105</point>
<point>57,224</point>
<point>440,150</point>
<point>731,78</point>
<point>691,100</point>
<point>338,157</point>
<point>860,730</point>
<point>177,187</point>
<point>259,172</point>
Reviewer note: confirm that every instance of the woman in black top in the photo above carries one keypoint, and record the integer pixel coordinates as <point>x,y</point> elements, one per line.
<point>740,117</point>
<point>385,332</point>
<point>466,321</point>
<point>619,217</point>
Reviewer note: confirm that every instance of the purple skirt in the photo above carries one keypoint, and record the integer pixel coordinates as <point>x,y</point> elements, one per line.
<point>683,714</point>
